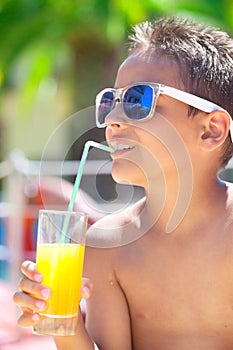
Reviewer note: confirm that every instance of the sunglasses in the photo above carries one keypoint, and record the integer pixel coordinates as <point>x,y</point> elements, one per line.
<point>139,101</point>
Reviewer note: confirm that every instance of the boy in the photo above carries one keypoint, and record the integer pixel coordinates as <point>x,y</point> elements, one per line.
<point>166,279</point>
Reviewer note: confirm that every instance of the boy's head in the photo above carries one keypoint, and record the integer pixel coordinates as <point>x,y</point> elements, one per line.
<point>203,55</point>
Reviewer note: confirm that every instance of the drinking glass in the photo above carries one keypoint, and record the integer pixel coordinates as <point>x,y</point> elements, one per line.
<point>59,258</point>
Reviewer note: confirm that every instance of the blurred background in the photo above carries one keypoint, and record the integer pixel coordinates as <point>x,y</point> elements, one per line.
<point>55,55</point>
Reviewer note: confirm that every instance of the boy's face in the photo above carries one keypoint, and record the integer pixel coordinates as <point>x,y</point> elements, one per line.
<point>152,142</point>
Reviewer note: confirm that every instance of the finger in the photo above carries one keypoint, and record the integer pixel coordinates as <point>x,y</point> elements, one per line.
<point>36,289</point>
<point>28,319</point>
<point>28,268</point>
<point>86,288</point>
<point>28,303</point>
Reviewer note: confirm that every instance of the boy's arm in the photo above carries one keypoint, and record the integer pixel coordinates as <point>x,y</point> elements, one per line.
<point>80,341</point>
<point>107,319</point>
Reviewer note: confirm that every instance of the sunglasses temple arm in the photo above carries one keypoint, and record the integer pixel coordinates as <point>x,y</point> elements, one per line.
<point>192,100</point>
<point>196,102</point>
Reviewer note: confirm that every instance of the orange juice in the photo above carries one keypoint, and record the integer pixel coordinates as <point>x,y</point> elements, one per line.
<point>61,267</point>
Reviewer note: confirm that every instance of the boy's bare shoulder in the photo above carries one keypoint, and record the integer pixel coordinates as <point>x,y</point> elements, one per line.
<point>116,229</point>
<point>109,232</point>
<point>230,204</point>
<point>230,190</point>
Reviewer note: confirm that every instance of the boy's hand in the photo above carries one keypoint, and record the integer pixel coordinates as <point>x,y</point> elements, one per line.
<point>32,295</point>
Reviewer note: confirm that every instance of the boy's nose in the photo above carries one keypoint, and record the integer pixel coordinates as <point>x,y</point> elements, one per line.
<point>116,116</point>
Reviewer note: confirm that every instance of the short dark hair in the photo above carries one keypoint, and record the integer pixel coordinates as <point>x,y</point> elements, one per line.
<point>204,56</point>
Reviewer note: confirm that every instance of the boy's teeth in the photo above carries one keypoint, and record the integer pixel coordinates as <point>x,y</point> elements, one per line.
<point>120,147</point>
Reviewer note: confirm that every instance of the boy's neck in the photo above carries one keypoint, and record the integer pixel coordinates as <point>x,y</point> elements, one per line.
<point>185,207</point>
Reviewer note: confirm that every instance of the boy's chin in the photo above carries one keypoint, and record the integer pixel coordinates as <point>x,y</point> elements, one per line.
<point>132,181</point>
<point>127,173</point>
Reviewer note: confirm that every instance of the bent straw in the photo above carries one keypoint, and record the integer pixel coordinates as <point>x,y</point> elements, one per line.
<point>88,144</point>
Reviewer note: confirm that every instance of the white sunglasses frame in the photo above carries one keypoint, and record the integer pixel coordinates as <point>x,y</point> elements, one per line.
<point>182,96</point>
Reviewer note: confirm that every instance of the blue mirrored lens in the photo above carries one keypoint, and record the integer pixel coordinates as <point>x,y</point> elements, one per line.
<point>105,106</point>
<point>138,101</point>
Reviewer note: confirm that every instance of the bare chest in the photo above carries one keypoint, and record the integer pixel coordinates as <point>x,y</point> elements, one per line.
<point>184,293</point>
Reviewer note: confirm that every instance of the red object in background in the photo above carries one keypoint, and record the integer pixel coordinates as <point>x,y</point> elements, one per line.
<point>30,234</point>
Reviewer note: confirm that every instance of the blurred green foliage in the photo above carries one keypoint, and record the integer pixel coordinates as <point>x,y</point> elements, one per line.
<point>81,38</point>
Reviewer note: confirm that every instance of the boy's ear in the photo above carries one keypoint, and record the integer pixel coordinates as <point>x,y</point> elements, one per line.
<point>215,129</point>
